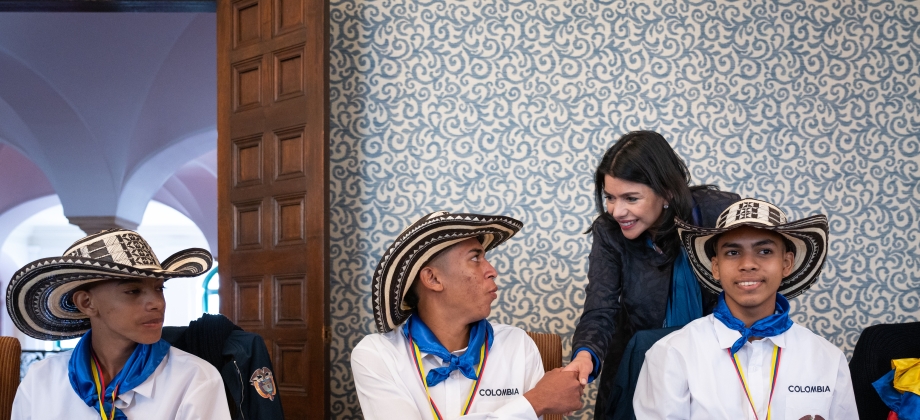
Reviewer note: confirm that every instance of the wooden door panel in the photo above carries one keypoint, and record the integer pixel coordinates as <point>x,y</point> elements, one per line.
<point>273,187</point>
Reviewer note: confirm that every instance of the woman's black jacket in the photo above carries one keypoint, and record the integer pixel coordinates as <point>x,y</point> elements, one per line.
<point>628,287</point>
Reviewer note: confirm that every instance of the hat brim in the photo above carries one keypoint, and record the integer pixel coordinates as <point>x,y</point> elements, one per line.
<point>434,233</point>
<point>38,297</point>
<point>808,237</point>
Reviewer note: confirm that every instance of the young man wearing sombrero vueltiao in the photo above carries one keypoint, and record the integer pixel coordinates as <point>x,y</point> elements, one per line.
<point>437,357</point>
<point>108,288</point>
<point>748,360</point>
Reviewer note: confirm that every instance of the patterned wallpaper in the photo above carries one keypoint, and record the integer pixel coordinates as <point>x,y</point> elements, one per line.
<point>506,106</point>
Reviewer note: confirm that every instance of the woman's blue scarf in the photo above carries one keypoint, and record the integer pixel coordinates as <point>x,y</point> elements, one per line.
<point>427,342</point>
<point>143,361</point>
<point>686,301</point>
<point>770,326</point>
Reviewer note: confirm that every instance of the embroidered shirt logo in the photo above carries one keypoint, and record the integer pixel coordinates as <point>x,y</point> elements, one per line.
<point>264,382</point>
<point>809,388</point>
<point>499,392</point>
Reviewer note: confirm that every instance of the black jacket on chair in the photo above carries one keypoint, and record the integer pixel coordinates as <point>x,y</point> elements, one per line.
<point>242,360</point>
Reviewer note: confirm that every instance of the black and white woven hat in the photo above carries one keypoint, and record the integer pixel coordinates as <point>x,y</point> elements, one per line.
<point>39,295</point>
<point>416,245</point>
<point>807,236</point>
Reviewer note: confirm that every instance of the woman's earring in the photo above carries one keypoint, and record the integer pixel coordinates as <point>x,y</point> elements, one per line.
<point>665,206</point>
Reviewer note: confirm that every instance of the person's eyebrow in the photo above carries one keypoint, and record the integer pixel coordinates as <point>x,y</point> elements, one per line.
<point>626,194</point>
<point>127,281</point>
<point>767,241</point>
<point>763,242</point>
<point>475,251</point>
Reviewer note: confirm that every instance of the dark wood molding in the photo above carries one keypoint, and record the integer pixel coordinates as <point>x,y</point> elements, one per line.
<point>158,6</point>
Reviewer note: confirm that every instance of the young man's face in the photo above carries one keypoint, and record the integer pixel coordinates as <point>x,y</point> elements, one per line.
<point>468,279</point>
<point>128,309</point>
<point>751,263</point>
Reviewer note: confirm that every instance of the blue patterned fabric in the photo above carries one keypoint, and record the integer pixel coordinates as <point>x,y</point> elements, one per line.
<point>771,326</point>
<point>507,106</point>
<point>143,361</point>
<point>686,301</point>
<point>480,332</point>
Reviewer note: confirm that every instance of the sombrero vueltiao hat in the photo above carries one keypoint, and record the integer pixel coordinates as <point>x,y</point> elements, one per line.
<point>416,245</point>
<point>39,295</point>
<point>807,236</point>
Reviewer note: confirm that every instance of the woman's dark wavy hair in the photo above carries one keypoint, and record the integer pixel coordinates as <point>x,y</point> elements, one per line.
<point>647,158</point>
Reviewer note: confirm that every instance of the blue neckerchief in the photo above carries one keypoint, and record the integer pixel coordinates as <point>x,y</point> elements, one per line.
<point>686,301</point>
<point>143,361</point>
<point>428,343</point>
<point>770,326</point>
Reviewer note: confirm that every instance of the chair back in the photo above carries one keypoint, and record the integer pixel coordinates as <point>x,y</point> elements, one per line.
<point>10,351</point>
<point>876,346</point>
<point>550,347</point>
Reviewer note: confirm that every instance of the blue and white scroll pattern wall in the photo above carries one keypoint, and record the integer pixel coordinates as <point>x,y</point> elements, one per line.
<point>506,106</point>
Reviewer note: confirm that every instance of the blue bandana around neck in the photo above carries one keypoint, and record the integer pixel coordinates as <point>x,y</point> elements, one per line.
<point>427,342</point>
<point>770,326</point>
<point>143,361</point>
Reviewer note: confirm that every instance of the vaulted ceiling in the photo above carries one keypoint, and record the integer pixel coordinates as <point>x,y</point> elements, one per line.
<point>108,110</point>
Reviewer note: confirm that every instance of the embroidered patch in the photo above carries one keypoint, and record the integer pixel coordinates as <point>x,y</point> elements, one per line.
<point>264,382</point>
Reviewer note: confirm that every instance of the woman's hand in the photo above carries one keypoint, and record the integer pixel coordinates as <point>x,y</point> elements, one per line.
<point>582,364</point>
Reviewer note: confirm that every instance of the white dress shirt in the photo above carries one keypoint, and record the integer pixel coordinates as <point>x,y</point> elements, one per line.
<point>389,386</point>
<point>182,387</point>
<point>690,375</point>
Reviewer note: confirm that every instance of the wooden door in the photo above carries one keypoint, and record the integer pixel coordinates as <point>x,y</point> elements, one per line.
<point>273,187</point>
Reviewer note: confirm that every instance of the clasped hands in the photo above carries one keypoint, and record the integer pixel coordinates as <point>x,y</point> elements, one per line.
<point>560,390</point>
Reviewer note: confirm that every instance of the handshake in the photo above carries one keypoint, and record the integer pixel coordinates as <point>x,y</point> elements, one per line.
<point>558,392</point>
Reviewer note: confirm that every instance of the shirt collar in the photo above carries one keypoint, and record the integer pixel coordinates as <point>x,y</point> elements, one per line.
<point>145,389</point>
<point>728,336</point>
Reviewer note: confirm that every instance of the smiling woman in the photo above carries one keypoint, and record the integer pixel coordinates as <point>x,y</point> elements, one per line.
<point>638,277</point>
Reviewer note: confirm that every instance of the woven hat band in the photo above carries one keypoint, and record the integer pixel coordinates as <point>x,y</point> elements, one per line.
<point>751,211</point>
<point>118,246</point>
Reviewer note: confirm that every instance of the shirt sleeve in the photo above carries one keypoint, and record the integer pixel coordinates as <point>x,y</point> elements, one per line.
<point>597,324</point>
<point>23,400</point>
<point>662,391</point>
<point>843,402</point>
<point>206,400</point>
<point>379,393</point>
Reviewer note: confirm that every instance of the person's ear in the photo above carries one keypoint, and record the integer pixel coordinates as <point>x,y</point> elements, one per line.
<point>428,277</point>
<point>715,268</point>
<point>83,300</point>
<point>788,261</point>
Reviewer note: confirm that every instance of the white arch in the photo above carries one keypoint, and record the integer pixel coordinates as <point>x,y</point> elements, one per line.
<point>148,176</point>
<point>13,217</point>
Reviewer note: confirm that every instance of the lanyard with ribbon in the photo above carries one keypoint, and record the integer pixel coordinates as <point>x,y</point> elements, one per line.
<point>417,357</point>
<point>774,371</point>
<point>99,378</point>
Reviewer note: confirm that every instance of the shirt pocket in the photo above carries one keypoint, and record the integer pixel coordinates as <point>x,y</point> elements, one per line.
<point>808,406</point>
